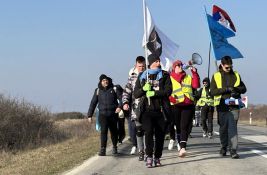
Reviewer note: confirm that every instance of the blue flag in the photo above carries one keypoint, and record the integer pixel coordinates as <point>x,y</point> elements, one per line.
<point>219,35</point>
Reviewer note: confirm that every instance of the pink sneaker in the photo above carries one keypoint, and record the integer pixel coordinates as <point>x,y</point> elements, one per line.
<point>149,162</point>
<point>157,162</point>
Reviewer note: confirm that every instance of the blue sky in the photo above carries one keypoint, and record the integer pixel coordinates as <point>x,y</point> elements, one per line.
<point>52,52</point>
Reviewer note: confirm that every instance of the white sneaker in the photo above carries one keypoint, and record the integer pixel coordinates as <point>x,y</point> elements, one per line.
<point>205,134</point>
<point>182,152</point>
<point>133,150</point>
<point>171,143</point>
<point>178,147</point>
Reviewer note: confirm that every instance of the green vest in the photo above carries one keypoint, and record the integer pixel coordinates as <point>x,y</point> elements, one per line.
<point>204,100</point>
<point>218,80</point>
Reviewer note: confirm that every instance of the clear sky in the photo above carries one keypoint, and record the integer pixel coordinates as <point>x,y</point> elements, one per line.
<point>52,52</point>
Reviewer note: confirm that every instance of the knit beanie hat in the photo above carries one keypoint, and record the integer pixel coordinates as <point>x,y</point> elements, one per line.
<point>152,58</point>
<point>102,76</point>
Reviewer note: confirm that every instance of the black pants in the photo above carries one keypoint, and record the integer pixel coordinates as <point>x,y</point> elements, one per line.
<point>121,129</point>
<point>207,114</point>
<point>153,123</point>
<point>108,122</point>
<point>183,116</point>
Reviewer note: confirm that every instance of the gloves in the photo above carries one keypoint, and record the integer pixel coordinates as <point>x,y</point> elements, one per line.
<point>150,94</point>
<point>172,99</point>
<point>229,89</point>
<point>147,87</point>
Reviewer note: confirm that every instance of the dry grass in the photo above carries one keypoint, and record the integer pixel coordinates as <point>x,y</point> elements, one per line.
<point>55,158</point>
<point>259,122</point>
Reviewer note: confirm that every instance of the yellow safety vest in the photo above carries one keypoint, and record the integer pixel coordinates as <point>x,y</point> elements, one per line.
<point>180,90</point>
<point>218,80</point>
<point>204,100</point>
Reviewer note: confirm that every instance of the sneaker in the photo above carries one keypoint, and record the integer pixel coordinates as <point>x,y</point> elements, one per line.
<point>171,143</point>
<point>114,151</point>
<point>210,135</point>
<point>234,155</point>
<point>133,150</point>
<point>102,152</point>
<point>204,134</point>
<point>223,152</point>
<point>149,162</point>
<point>182,152</point>
<point>178,147</point>
<point>157,162</point>
<point>141,156</point>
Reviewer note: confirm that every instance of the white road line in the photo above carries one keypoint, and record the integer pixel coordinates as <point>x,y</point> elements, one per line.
<point>259,153</point>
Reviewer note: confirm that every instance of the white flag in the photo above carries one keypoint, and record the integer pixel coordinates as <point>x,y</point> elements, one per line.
<point>158,43</point>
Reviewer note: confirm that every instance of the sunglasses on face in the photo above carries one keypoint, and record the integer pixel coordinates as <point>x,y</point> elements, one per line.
<point>228,67</point>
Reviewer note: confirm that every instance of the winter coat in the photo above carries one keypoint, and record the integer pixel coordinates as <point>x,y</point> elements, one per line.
<point>108,99</point>
<point>159,102</point>
<point>228,80</point>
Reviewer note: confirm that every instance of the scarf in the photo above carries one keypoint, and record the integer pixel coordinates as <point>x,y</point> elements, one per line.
<point>151,72</point>
<point>178,77</point>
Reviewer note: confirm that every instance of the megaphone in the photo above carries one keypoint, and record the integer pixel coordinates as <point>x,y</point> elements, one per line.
<point>196,59</point>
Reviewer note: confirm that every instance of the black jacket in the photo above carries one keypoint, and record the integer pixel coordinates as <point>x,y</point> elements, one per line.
<point>160,101</point>
<point>228,80</point>
<point>107,100</point>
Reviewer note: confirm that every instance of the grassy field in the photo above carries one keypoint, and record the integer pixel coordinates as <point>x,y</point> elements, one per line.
<point>56,158</point>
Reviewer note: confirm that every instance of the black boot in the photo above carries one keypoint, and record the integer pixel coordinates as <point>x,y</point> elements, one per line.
<point>234,154</point>
<point>223,151</point>
<point>102,151</point>
<point>114,151</point>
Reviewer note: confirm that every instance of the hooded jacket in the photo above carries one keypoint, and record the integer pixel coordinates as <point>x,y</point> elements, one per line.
<point>107,100</point>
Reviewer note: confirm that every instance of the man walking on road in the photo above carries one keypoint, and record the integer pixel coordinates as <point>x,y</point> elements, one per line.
<point>107,99</point>
<point>154,110</point>
<point>130,103</point>
<point>207,108</point>
<point>226,87</point>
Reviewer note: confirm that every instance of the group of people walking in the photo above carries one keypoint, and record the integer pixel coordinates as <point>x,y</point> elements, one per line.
<point>158,102</point>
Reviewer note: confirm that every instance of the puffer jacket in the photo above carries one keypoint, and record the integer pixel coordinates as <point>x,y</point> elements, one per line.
<point>108,99</point>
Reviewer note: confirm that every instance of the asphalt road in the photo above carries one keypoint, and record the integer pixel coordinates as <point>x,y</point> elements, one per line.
<point>202,158</point>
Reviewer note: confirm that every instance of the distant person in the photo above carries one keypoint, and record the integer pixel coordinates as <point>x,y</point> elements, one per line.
<point>106,97</point>
<point>130,103</point>
<point>182,102</point>
<point>121,117</point>
<point>206,103</point>
<point>227,83</point>
<point>154,93</point>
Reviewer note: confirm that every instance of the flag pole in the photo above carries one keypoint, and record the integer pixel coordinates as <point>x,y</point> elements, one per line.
<point>145,33</point>
<point>209,62</point>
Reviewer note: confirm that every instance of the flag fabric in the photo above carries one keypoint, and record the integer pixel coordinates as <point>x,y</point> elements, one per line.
<point>219,34</point>
<point>157,42</point>
<point>221,16</point>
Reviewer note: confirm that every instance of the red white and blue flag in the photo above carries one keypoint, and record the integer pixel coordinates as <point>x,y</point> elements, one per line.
<point>222,17</point>
<point>221,28</point>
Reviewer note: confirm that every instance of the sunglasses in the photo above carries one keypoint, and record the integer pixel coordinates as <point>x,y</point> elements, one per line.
<point>228,67</point>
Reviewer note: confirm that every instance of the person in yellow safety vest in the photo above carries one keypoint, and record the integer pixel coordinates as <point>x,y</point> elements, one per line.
<point>182,102</point>
<point>227,83</point>
<point>207,108</point>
